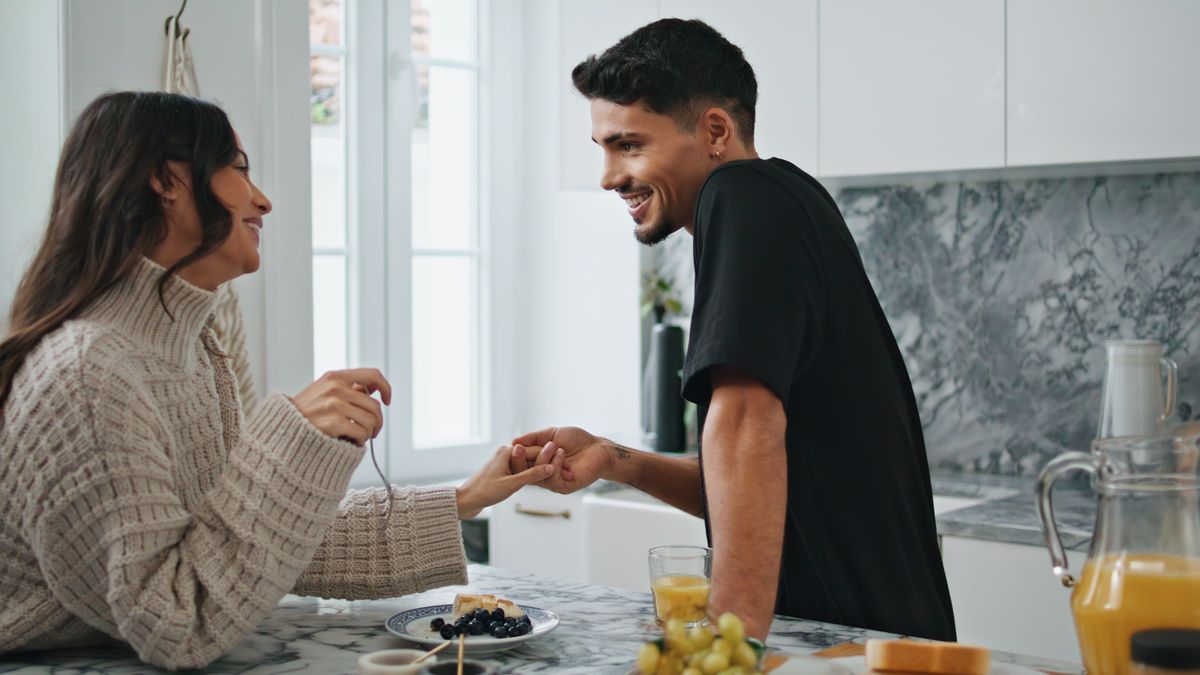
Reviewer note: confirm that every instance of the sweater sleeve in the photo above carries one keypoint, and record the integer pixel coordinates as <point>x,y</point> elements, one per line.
<point>368,553</point>
<point>119,550</point>
<point>229,327</point>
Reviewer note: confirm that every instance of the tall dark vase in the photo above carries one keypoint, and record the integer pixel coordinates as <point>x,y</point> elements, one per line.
<point>663,400</point>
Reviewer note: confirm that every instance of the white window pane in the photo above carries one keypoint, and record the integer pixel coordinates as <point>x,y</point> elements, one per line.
<point>445,358</point>
<point>325,89</point>
<point>328,188</point>
<point>329,313</point>
<point>325,19</point>
<point>444,160</point>
<point>444,29</point>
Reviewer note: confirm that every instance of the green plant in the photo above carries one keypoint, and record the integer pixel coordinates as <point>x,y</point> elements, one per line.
<point>659,296</point>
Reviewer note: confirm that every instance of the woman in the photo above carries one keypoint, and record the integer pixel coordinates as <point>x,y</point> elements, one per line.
<point>140,500</point>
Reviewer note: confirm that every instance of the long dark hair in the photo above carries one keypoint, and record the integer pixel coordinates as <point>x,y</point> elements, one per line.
<point>105,215</point>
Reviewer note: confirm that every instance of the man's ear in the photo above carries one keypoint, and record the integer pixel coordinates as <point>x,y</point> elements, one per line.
<point>717,129</point>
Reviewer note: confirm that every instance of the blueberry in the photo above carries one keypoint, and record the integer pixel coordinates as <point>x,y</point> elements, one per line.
<point>500,631</point>
<point>482,615</point>
<point>520,629</point>
<point>476,628</point>
<point>497,614</point>
<point>493,625</point>
<point>460,629</point>
<point>448,632</point>
<point>437,623</point>
<point>526,620</point>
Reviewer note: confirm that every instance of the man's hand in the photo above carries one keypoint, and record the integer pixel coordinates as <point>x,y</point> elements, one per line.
<point>586,458</point>
<point>497,481</point>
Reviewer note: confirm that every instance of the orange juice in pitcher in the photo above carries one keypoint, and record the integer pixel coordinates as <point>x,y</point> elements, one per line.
<point>1143,570</point>
<point>1119,595</point>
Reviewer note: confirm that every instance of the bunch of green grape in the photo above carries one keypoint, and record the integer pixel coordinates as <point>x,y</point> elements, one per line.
<point>699,651</point>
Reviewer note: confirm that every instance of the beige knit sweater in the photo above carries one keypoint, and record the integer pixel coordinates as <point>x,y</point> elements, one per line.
<point>134,501</point>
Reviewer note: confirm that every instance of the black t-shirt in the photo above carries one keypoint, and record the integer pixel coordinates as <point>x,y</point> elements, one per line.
<point>781,295</point>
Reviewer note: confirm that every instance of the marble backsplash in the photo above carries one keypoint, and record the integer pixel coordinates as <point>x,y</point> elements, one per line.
<point>1002,293</point>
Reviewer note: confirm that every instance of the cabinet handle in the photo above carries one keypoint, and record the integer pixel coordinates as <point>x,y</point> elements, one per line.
<point>543,514</point>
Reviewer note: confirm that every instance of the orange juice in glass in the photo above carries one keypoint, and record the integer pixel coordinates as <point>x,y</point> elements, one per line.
<point>680,577</point>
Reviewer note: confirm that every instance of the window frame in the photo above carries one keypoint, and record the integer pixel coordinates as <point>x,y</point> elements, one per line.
<point>380,102</point>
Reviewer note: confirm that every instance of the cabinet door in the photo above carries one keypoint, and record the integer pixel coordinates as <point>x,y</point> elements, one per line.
<point>911,86</point>
<point>1102,80</point>
<point>622,527</point>
<point>779,40</point>
<point>587,27</point>
<point>1005,597</point>
<point>540,532</point>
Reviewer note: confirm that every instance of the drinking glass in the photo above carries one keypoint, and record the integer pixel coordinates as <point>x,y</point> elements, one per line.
<point>680,577</point>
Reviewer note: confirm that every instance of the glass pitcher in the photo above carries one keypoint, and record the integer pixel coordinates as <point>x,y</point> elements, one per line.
<point>1143,569</point>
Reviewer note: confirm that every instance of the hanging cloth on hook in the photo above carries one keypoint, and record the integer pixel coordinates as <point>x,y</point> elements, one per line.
<point>179,71</point>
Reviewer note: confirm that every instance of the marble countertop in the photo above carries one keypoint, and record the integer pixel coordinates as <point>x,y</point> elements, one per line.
<point>1009,513</point>
<point>600,633</point>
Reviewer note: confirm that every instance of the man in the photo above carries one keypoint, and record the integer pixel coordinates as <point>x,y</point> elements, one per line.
<point>812,475</point>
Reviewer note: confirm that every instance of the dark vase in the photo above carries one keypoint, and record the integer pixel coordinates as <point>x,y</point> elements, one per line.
<point>662,403</point>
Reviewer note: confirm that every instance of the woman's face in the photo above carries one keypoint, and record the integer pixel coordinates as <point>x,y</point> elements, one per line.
<point>247,205</point>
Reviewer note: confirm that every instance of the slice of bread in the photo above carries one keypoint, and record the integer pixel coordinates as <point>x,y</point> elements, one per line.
<point>510,608</point>
<point>466,602</point>
<point>943,658</point>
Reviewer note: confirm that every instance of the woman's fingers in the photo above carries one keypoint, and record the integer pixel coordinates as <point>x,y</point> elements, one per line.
<point>366,403</point>
<point>369,378</point>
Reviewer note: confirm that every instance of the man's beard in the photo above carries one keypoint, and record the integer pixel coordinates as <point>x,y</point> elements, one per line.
<point>654,232</point>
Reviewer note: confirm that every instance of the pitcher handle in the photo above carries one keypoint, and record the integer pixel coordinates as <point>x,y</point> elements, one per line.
<point>1068,461</point>
<point>1172,383</point>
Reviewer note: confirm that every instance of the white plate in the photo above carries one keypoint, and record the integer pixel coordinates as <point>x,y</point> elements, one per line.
<point>858,664</point>
<point>413,625</point>
<point>810,665</point>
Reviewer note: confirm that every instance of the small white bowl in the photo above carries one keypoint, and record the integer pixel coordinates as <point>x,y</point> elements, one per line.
<point>390,662</point>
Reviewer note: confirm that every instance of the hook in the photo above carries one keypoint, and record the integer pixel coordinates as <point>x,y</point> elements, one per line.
<point>175,17</point>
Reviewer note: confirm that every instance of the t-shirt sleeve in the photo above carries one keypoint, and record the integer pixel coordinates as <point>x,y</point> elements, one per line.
<point>758,286</point>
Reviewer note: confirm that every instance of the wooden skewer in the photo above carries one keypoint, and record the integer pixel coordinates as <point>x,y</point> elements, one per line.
<point>435,650</point>
<point>462,643</point>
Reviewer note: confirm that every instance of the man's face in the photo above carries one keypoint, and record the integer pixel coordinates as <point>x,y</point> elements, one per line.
<point>656,167</point>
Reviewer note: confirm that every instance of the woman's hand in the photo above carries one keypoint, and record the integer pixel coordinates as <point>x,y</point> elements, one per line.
<point>496,481</point>
<point>341,406</point>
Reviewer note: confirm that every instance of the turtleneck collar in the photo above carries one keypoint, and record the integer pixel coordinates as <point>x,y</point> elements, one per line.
<point>133,307</point>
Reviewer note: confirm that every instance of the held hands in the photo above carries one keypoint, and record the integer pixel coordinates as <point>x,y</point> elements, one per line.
<point>585,458</point>
<point>498,480</point>
<point>339,403</point>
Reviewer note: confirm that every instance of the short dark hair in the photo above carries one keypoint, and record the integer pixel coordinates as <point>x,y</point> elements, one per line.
<point>676,68</point>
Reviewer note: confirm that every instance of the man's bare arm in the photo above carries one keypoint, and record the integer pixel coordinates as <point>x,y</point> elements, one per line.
<point>674,480</point>
<point>745,471</point>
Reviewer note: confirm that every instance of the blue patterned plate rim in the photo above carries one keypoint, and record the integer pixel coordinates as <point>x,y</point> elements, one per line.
<point>543,622</point>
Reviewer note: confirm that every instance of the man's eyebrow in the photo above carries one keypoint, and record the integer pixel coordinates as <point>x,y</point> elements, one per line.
<point>616,137</point>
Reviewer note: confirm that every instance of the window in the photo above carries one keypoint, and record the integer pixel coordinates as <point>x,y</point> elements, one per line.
<point>398,264</point>
<point>327,62</point>
<point>445,250</point>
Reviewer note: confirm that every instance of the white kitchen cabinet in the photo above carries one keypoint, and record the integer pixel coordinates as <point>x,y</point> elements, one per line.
<point>779,40</point>
<point>622,527</point>
<point>1102,80</point>
<point>911,86</point>
<point>587,27</point>
<point>1005,597</point>
<point>540,532</point>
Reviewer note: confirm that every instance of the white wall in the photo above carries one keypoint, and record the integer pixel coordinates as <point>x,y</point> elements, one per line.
<point>578,267</point>
<point>29,137</point>
<point>251,57</point>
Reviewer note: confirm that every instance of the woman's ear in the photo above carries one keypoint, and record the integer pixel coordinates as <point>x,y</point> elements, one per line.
<point>167,191</point>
